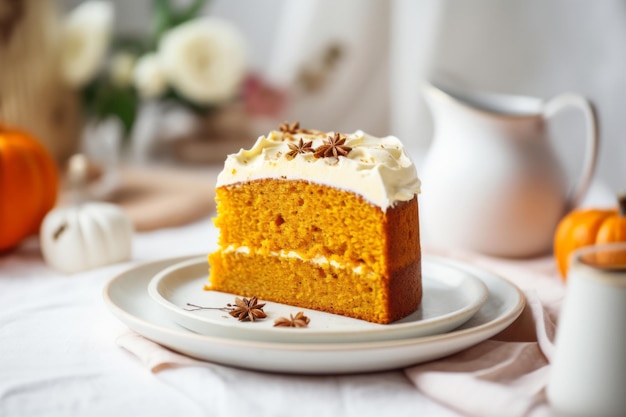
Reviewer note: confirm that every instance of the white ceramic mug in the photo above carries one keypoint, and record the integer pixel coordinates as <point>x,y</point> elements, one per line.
<point>588,375</point>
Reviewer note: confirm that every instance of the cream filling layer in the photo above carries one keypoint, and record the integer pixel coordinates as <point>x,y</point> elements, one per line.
<point>317,260</point>
<point>378,169</point>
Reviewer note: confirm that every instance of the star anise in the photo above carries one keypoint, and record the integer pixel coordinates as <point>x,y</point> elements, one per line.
<point>248,309</point>
<point>290,128</point>
<point>300,320</point>
<point>333,146</point>
<point>301,147</point>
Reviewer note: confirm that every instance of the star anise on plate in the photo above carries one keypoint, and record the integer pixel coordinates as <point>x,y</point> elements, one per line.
<point>300,320</point>
<point>248,309</point>
<point>301,148</point>
<point>333,146</point>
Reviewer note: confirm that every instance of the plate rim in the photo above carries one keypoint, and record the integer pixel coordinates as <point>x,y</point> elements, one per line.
<point>126,317</point>
<point>399,330</point>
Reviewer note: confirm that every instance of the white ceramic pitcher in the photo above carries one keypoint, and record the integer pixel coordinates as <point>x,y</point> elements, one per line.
<point>491,182</point>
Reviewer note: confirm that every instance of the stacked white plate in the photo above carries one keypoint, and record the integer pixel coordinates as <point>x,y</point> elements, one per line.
<point>461,306</point>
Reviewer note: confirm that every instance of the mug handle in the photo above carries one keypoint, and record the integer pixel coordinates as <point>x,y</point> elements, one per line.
<point>559,103</point>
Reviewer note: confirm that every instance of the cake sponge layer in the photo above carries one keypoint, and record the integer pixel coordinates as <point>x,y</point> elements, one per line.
<point>325,287</point>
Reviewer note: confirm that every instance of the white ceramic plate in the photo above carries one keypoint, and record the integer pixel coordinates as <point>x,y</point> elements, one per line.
<point>451,297</point>
<point>127,297</point>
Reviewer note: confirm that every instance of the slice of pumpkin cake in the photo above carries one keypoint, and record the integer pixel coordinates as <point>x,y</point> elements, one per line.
<point>326,221</point>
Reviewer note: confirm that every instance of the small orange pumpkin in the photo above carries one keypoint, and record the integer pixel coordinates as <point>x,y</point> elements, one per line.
<point>588,227</point>
<point>29,182</point>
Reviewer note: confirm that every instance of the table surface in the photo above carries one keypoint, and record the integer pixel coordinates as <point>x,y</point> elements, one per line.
<point>58,355</point>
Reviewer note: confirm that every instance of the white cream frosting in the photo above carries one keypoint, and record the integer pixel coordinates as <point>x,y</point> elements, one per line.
<point>379,169</point>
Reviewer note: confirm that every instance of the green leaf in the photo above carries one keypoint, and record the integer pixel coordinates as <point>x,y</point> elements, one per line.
<point>165,17</point>
<point>190,13</point>
<point>104,99</point>
<point>162,21</point>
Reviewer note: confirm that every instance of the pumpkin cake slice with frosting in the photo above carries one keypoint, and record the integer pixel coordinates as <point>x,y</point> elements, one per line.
<point>326,221</point>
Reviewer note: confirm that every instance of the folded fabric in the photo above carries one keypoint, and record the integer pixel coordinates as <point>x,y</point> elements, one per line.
<point>155,357</point>
<point>508,373</point>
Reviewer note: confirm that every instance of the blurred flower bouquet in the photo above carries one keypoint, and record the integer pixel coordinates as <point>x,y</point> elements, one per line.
<point>185,82</point>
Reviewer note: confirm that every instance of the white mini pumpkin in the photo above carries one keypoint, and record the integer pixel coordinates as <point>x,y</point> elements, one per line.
<point>86,236</point>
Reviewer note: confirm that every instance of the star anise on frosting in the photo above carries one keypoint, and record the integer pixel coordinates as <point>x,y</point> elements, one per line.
<point>333,146</point>
<point>248,309</point>
<point>301,148</point>
<point>292,129</point>
<point>300,320</point>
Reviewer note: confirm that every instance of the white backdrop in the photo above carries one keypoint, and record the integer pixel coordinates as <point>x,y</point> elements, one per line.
<point>529,47</point>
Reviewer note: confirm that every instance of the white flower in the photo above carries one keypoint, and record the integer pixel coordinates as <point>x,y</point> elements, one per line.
<point>204,59</point>
<point>149,77</point>
<point>85,38</point>
<point>121,68</point>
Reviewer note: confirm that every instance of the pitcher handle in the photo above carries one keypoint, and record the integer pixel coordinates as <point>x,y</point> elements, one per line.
<point>559,103</point>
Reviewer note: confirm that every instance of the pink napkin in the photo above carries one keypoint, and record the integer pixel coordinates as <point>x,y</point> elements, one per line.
<point>509,371</point>
<point>152,355</point>
<point>506,373</point>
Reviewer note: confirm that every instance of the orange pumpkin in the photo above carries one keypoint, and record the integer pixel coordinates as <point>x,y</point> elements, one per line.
<point>588,227</point>
<point>29,182</point>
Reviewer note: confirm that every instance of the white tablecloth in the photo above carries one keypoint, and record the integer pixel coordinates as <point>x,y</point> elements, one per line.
<point>58,355</point>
